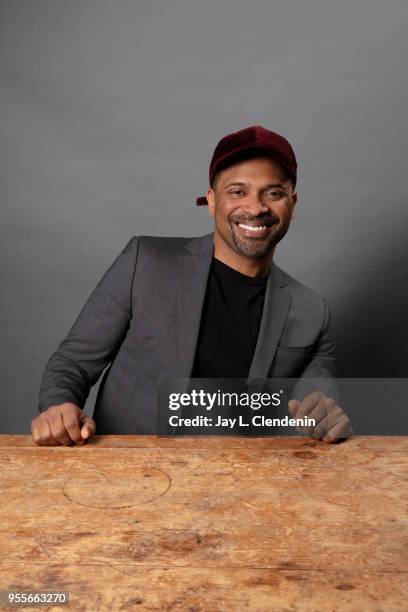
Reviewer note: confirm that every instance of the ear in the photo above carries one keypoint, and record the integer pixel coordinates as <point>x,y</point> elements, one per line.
<point>210,195</point>
<point>294,200</point>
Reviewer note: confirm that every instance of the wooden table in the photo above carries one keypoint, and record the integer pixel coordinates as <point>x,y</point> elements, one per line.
<point>216,523</point>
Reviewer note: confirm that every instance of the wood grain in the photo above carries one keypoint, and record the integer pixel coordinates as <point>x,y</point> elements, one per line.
<point>216,523</point>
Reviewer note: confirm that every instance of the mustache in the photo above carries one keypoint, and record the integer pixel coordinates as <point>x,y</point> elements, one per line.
<point>266,219</point>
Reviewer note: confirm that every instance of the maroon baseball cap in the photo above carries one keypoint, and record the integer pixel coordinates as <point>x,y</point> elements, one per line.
<point>254,139</point>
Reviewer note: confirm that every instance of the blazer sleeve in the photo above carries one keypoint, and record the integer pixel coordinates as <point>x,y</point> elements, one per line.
<point>95,336</point>
<point>320,371</point>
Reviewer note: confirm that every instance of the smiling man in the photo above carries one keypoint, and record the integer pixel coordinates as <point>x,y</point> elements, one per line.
<point>216,306</point>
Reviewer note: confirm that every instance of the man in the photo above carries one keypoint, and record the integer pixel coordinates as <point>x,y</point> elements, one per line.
<point>213,306</point>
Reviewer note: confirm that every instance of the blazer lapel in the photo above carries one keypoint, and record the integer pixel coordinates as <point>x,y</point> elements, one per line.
<point>274,315</point>
<point>193,268</point>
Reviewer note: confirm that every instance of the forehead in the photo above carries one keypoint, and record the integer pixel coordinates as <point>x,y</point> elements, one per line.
<point>259,169</point>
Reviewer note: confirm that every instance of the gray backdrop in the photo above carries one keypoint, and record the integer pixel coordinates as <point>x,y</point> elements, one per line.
<point>110,111</point>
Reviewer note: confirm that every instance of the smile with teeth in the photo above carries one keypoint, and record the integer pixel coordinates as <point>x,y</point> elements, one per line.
<point>253,228</point>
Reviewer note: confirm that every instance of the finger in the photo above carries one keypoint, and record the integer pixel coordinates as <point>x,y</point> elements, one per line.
<point>323,407</point>
<point>88,429</point>
<point>58,429</point>
<point>41,433</point>
<point>309,403</point>
<point>50,440</point>
<point>70,419</point>
<point>340,431</point>
<point>317,415</point>
<point>328,422</point>
<point>293,406</point>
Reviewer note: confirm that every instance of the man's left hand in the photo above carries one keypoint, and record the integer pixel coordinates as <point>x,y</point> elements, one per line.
<point>331,423</point>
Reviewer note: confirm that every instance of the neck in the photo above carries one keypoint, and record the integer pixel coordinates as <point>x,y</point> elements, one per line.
<point>241,263</point>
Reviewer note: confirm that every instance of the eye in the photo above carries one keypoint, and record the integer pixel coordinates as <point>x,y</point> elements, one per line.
<point>236,191</point>
<point>274,194</point>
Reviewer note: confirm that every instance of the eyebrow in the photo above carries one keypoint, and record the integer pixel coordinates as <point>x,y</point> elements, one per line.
<point>241,184</point>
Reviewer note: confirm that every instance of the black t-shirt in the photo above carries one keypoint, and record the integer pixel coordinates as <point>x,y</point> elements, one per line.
<point>230,322</point>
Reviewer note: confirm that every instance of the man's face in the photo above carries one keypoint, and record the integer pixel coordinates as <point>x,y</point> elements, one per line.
<point>252,205</point>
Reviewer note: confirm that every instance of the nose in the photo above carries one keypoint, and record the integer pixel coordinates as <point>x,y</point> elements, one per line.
<point>255,205</point>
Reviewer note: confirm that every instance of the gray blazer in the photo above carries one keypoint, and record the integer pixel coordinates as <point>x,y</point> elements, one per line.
<point>142,321</point>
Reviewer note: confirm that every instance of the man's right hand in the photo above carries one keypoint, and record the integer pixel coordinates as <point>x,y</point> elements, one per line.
<point>63,424</point>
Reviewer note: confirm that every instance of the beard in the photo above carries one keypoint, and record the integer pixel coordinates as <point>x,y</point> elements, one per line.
<point>254,247</point>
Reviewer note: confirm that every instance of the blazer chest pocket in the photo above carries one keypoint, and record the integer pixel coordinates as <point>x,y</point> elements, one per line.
<point>293,352</point>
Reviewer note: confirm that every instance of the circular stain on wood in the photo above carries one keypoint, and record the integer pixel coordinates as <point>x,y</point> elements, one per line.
<point>99,489</point>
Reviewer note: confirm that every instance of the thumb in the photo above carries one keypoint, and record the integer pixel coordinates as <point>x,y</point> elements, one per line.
<point>88,428</point>
<point>293,406</point>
